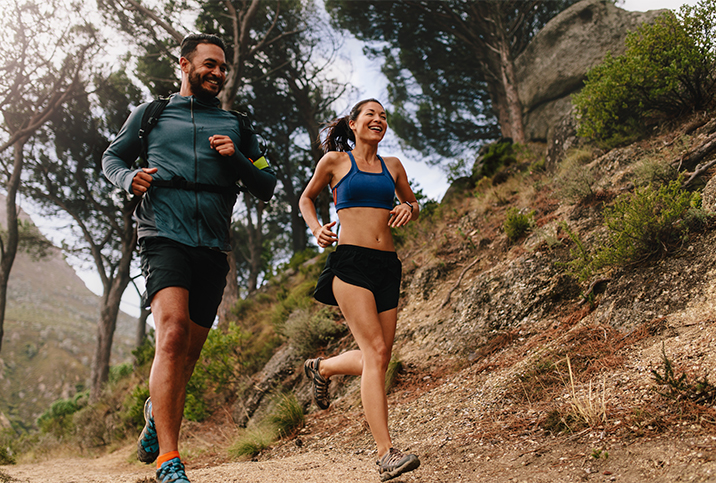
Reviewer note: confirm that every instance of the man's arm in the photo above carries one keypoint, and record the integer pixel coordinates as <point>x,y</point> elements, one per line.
<point>260,182</point>
<point>123,151</point>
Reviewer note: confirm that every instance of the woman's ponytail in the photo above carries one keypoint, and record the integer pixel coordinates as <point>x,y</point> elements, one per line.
<point>339,134</point>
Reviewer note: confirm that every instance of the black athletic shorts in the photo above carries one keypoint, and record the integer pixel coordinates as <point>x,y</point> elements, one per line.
<point>200,270</point>
<point>375,270</point>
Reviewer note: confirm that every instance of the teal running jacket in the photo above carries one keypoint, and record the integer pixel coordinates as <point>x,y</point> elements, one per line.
<point>178,146</point>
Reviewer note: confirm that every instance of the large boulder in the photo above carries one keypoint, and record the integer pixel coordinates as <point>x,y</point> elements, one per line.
<point>555,64</point>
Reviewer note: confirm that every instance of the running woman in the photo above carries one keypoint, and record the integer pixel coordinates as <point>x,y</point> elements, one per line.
<point>362,276</point>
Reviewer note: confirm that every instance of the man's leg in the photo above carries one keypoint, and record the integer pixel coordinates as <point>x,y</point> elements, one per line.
<point>178,346</point>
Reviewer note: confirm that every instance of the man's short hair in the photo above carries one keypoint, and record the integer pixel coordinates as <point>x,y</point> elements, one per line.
<point>189,43</point>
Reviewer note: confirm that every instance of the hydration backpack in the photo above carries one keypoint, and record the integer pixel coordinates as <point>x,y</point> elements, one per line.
<point>149,121</point>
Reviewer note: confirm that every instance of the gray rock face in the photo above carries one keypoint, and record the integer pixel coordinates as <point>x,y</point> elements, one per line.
<point>555,64</point>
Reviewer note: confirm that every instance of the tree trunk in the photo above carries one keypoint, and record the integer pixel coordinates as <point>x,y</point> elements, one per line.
<point>142,327</point>
<point>231,293</point>
<point>114,286</point>
<point>255,232</point>
<point>9,245</point>
<point>509,83</point>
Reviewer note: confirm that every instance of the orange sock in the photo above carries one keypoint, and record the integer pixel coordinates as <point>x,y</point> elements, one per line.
<point>166,457</point>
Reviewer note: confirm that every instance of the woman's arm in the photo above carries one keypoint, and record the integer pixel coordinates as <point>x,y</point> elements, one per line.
<point>322,177</point>
<point>408,209</point>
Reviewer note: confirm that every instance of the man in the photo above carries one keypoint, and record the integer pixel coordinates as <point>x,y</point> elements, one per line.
<point>183,229</point>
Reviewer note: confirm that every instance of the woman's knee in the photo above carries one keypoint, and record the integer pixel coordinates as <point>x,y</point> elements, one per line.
<point>378,356</point>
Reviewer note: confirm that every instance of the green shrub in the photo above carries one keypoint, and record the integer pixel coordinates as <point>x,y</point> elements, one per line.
<point>287,416</point>
<point>58,420</point>
<point>134,406</point>
<point>668,69</point>
<point>639,226</point>
<point>120,371</point>
<point>517,224</point>
<point>496,156</point>
<point>252,442</point>
<point>575,180</point>
<point>300,297</point>
<point>308,331</point>
<point>218,369</point>
<point>144,354</point>
<point>680,388</point>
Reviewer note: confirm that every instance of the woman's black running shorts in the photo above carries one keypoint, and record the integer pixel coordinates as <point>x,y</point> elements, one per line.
<point>375,270</point>
<point>200,270</point>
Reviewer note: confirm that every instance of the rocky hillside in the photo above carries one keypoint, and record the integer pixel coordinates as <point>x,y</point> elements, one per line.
<point>515,371</point>
<point>50,328</point>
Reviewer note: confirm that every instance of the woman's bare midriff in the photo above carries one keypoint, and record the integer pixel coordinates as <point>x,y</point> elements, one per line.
<point>365,227</point>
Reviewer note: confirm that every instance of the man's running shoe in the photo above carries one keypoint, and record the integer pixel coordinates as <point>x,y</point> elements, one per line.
<point>320,384</point>
<point>394,463</point>
<point>148,445</point>
<point>172,471</point>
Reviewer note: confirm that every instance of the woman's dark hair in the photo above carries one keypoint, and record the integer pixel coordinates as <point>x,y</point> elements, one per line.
<point>339,134</point>
<point>189,43</point>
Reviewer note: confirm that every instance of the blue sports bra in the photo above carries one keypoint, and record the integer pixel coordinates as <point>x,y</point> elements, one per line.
<point>361,189</point>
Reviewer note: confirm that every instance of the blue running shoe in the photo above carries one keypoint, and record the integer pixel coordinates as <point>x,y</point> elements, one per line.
<point>148,445</point>
<point>172,471</point>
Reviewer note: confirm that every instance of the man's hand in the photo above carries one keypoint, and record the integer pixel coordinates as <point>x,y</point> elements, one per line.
<point>142,181</point>
<point>223,144</point>
<point>324,236</point>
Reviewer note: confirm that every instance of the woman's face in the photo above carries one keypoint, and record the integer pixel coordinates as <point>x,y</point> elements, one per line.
<point>371,124</point>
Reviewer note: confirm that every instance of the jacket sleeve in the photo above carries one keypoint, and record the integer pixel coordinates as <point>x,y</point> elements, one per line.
<point>121,154</point>
<point>255,173</point>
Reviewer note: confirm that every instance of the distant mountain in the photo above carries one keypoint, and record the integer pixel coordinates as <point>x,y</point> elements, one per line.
<point>50,328</point>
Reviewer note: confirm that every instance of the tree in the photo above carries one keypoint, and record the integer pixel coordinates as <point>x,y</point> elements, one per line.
<point>460,58</point>
<point>65,178</point>
<point>41,62</point>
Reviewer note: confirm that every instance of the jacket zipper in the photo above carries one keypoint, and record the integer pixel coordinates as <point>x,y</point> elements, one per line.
<point>196,173</point>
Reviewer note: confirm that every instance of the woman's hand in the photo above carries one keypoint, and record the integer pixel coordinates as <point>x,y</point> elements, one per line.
<point>324,236</point>
<point>400,215</point>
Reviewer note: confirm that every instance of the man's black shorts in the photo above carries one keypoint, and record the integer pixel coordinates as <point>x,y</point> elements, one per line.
<point>202,271</point>
<point>375,270</point>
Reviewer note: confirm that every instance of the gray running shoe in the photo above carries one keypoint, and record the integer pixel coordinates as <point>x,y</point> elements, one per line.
<point>320,384</point>
<point>148,444</point>
<point>394,463</point>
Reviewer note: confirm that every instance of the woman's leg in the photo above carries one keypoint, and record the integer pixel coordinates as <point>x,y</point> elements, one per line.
<point>374,334</point>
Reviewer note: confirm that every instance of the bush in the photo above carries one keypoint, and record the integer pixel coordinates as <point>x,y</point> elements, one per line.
<point>308,331</point>
<point>639,226</point>
<point>496,155</point>
<point>517,224</point>
<point>58,419</point>
<point>575,180</point>
<point>218,369</point>
<point>668,69</point>
<point>287,417</point>
<point>252,442</point>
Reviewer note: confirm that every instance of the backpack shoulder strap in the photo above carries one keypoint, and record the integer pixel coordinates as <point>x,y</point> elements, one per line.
<point>149,120</point>
<point>247,132</point>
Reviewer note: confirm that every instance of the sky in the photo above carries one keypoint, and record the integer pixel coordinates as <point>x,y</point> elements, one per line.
<point>370,82</point>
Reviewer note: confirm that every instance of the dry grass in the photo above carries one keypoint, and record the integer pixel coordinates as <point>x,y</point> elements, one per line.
<point>589,409</point>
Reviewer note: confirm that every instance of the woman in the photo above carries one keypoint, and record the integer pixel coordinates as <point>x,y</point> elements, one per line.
<point>362,276</point>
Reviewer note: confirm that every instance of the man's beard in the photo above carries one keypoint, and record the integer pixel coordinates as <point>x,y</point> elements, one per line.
<point>196,82</point>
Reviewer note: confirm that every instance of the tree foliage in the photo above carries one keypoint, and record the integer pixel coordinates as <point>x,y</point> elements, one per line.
<point>449,64</point>
<point>668,69</point>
